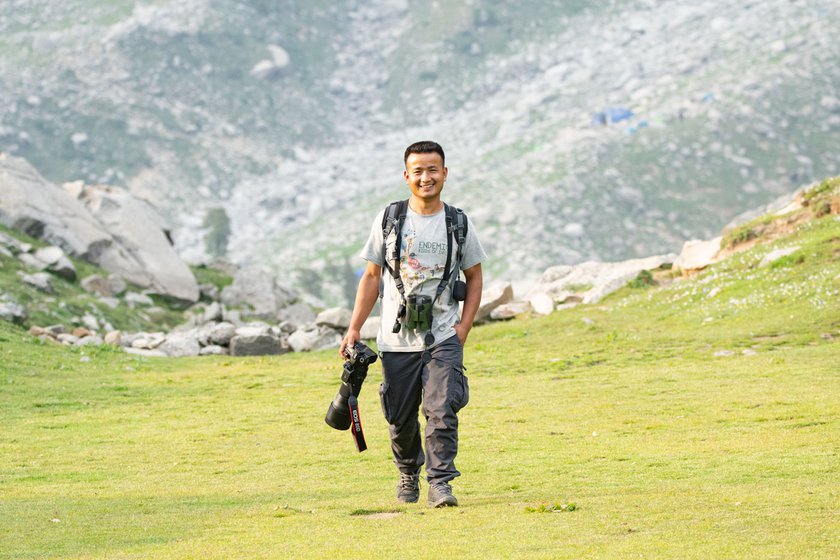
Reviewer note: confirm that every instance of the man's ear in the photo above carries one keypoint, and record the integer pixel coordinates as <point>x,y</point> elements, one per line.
<point>405,175</point>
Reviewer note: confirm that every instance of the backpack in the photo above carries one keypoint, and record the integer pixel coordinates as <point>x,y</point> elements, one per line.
<point>393,219</point>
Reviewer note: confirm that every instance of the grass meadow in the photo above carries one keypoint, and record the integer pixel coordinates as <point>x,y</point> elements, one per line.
<point>695,420</point>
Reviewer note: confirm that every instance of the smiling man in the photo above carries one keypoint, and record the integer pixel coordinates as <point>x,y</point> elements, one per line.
<point>423,245</point>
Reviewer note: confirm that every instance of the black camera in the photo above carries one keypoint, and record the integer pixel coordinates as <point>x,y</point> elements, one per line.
<point>343,412</point>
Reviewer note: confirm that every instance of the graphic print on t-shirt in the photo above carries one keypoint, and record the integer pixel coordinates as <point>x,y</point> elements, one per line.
<point>419,258</point>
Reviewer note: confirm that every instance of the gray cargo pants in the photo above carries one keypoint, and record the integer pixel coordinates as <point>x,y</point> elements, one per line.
<point>442,387</point>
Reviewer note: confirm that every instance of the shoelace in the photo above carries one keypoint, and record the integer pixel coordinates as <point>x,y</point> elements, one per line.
<point>409,482</point>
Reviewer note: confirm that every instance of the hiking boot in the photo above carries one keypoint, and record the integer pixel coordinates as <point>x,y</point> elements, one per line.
<point>440,495</point>
<point>408,488</point>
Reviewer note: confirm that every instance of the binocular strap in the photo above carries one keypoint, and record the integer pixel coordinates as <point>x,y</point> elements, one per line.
<point>356,424</point>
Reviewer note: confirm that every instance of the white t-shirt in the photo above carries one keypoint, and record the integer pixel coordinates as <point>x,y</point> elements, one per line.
<point>422,260</point>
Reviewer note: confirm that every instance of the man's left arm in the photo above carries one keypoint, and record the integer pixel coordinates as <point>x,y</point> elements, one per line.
<point>471,303</point>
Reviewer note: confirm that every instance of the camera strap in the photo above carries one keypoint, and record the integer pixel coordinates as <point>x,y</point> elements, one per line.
<point>356,424</point>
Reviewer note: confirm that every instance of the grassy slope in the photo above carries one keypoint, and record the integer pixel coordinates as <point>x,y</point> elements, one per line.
<point>623,409</point>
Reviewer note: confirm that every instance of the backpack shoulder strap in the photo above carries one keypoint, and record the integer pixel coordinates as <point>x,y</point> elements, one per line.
<point>392,221</point>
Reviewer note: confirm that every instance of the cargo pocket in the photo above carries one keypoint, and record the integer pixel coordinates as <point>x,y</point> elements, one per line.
<point>459,388</point>
<point>383,399</point>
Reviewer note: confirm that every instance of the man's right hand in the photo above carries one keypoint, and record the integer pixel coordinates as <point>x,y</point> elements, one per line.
<point>350,339</point>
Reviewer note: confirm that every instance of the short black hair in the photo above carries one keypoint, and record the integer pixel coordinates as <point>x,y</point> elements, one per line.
<point>425,147</point>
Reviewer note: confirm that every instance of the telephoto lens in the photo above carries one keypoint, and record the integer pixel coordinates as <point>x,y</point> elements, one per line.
<point>355,371</point>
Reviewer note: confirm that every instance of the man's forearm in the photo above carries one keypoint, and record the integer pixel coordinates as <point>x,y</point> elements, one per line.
<point>473,299</point>
<point>366,297</point>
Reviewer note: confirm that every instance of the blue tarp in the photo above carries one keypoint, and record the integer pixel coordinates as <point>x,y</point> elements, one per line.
<point>612,114</point>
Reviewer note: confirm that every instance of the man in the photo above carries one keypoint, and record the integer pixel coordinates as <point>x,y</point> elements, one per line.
<point>421,363</point>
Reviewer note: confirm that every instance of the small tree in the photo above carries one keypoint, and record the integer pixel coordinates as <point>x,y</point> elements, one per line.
<point>217,224</point>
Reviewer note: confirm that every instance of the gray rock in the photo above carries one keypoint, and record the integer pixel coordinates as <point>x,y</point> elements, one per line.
<point>148,341</point>
<point>117,284</point>
<point>90,322</point>
<point>213,350</point>
<point>63,268</point>
<point>29,260</point>
<point>10,243</point>
<point>145,352</point>
<point>370,330</point>
<point>542,303</point>
<point>219,334</point>
<point>13,312</point>
<point>41,209</point>
<point>257,345</point>
<point>49,255</point>
<point>315,339</point>
<point>335,317</point>
<point>180,345</point>
<point>93,340</point>
<point>54,330</point>
<point>144,254</point>
<point>40,281</point>
<point>114,338</point>
<point>254,328</point>
<point>97,285</point>
<point>697,254</point>
<point>256,290</point>
<point>67,338</point>
<point>111,302</point>
<point>777,254</point>
<point>134,299</point>
<point>297,315</point>
<point>510,310</point>
<point>493,298</point>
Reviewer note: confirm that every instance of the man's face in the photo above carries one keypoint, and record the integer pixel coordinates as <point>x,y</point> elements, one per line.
<point>425,175</point>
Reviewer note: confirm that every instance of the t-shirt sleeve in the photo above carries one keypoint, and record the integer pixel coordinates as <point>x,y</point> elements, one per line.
<point>372,251</point>
<point>473,251</point>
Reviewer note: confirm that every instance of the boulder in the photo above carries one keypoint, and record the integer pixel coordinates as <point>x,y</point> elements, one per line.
<point>213,350</point>
<point>11,244</point>
<point>777,254</point>
<point>256,288</point>
<point>97,285</point>
<point>49,255</point>
<point>92,340</point>
<point>13,312</point>
<point>594,279</point>
<point>297,315</point>
<point>144,255</point>
<point>221,334</point>
<point>370,330</point>
<point>335,318</point>
<point>30,261</point>
<point>40,281</point>
<point>145,352</point>
<point>107,226</point>
<point>134,299</point>
<point>697,254</point>
<point>41,209</point>
<point>542,303</point>
<point>493,298</point>
<point>257,345</point>
<point>113,338</point>
<point>63,268</point>
<point>67,338</point>
<point>180,344</point>
<point>510,310</point>
<point>314,339</point>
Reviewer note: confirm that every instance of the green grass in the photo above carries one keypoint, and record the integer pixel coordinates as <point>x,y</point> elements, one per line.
<point>609,431</point>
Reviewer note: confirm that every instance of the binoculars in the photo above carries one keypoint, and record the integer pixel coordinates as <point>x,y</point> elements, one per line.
<point>417,312</point>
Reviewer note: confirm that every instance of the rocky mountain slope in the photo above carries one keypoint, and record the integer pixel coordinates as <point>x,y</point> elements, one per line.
<point>572,133</point>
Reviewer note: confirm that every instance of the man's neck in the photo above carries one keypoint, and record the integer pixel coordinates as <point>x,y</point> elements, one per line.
<point>423,206</point>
